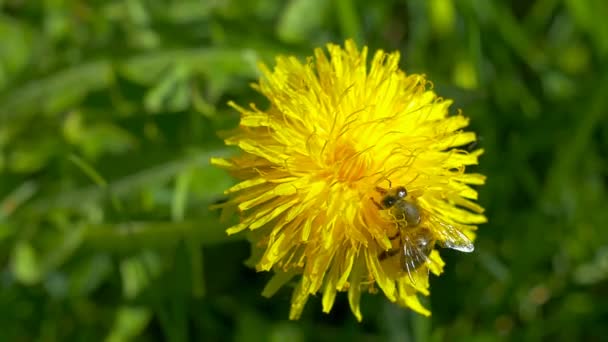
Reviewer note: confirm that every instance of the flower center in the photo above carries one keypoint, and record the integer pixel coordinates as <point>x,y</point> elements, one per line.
<point>346,164</point>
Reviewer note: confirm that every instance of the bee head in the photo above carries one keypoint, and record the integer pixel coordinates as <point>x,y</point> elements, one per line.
<point>401,192</point>
<point>388,201</point>
<point>392,196</point>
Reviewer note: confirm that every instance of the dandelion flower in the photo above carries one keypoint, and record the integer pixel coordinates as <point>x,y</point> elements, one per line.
<point>335,130</point>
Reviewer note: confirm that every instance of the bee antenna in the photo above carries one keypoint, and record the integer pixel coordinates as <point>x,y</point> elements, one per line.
<point>390,184</point>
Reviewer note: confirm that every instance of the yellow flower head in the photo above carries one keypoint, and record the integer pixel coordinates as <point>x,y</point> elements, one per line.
<point>320,171</point>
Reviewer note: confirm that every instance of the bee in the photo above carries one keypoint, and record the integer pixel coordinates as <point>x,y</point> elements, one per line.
<point>416,240</point>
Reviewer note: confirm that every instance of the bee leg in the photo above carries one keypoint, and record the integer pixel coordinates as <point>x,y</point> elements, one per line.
<point>376,203</point>
<point>382,191</point>
<point>388,254</point>
<point>395,236</point>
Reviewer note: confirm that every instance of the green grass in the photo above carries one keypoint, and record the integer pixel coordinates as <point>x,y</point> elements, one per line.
<point>109,112</point>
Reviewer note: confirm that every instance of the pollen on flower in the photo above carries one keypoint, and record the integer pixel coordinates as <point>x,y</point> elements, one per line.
<point>338,134</point>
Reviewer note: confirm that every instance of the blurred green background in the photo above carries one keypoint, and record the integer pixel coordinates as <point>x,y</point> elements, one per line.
<point>108,116</point>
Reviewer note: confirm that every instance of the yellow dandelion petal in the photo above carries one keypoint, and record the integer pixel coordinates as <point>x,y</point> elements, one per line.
<point>354,290</point>
<point>329,295</point>
<point>278,280</point>
<point>330,290</point>
<point>298,300</point>
<point>346,267</point>
<point>246,184</point>
<point>408,297</point>
<point>320,171</point>
<point>377,272</point>
<point>436,265</point>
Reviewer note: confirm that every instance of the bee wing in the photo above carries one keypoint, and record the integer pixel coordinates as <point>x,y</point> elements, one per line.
<point>413,257</point>
<point>451,237</point>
